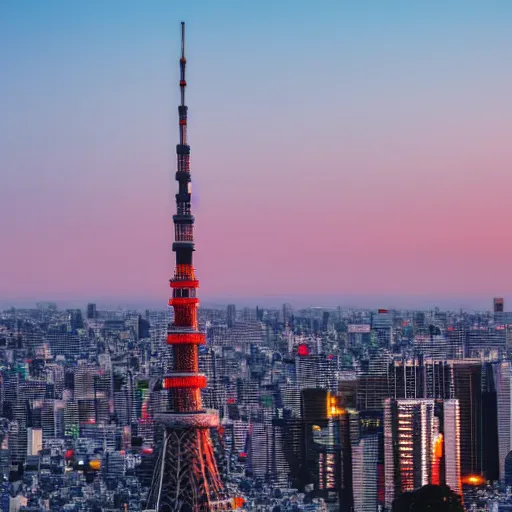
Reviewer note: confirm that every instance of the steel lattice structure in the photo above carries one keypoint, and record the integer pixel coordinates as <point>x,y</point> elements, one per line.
<point>186,477</point>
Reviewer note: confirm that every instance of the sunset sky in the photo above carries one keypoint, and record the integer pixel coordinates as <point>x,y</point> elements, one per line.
<point>342,149</point>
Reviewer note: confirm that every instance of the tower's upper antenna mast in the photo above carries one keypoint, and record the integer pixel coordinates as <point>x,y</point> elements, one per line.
<point>183,61</point>
<point>182,39</point>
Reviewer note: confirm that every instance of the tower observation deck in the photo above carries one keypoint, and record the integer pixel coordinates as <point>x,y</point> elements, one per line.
<point>186,477</point>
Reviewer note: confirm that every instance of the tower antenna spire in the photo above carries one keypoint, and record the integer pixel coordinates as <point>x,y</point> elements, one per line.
<point>182,39</point>
<point>183,62</point>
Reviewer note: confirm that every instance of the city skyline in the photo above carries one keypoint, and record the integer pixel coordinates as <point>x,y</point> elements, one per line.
<point>351,186</point>
<point>344,153</point>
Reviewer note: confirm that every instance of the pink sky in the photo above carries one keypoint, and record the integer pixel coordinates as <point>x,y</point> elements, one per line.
<point>322,162</point>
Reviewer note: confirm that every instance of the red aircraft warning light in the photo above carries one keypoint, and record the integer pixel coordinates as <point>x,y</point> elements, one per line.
<point>303,350</point>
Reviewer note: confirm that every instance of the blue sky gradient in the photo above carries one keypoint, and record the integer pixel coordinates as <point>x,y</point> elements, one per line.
<point>372,137</point>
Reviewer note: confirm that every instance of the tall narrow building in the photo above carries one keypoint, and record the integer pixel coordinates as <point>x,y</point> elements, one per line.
<point>186,477</point>
<point>421,445</point>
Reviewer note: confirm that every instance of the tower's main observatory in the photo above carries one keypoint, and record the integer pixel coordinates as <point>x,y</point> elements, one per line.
<point>186,478</point>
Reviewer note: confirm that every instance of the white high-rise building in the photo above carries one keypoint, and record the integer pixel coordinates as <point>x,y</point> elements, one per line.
<point>451,433</point>
<point>503,376</point>
<point>34,441</point>
<point>364,473</point>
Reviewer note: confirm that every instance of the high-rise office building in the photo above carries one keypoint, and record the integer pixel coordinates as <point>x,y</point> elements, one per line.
<point>287,314</point>
<point>467,384</point>
<point>501,317</point>
<point>421,445</point>
<point>374,380</point>
<point>499,305</point>
<point>368,461</point>
<point>231,315</point>
<point>91,311</point>
<point>75,320</point>
<point>326,455</point>
<point>365,458</point>
<point>34,441</point>
<point>489,419</point>
<point>503,379</point>
<point>382,327</point>
<point>448,441</point>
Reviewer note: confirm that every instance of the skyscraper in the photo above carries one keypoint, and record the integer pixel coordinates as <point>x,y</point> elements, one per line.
<point>91,311</point>
<point>503,378</point>
<point>186,477</point>
<point>499,305</point>
<point>467,379</point>
<point>382,326</point>
<point>421,445</point>
<point>365,473</point>
<point>231,315</point>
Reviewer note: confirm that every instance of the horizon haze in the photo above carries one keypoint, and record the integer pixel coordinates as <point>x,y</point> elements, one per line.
<point>403,302</point>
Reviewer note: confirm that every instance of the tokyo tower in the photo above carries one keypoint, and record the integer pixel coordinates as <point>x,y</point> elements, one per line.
<point>186,478</point>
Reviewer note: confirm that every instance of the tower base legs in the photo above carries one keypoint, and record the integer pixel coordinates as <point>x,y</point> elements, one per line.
<point>186,478</point>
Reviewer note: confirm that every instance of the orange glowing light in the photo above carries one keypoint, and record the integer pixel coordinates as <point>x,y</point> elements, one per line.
<point>438,446</point>
<point>473,480</point>
<point>238,502</point>
<point>333,408</point>
<point>436,462</point>
<point>95,464</point>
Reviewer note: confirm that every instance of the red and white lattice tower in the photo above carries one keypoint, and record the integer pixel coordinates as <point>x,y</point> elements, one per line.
<point>186,476</point>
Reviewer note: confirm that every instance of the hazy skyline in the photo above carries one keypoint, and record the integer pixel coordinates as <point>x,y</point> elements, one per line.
<point>337,148</point>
